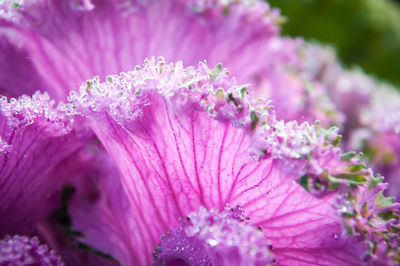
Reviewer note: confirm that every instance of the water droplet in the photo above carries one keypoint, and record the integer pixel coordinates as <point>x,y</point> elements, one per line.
<point>212,242</point>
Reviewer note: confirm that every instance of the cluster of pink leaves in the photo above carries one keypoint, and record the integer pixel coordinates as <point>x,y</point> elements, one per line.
<point>111,160</point>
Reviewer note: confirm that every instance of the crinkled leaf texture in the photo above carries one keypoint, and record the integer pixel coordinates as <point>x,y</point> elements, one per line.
<point>372,125</point>
<point>35,138</point>
<point>57,45</point>
<point>174,156</point>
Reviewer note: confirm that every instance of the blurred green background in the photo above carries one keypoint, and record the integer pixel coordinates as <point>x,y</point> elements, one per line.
<point>364,32</point>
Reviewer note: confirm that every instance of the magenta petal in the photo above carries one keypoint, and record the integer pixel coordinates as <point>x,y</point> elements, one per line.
<point>59,44</point>
<point>22,250</point>
<point>66,42</point>
<point>100,208</point>
<point>42,66</point>
<point>30,31</point>
<point>14,83</point>
<point>36,137</point>
<point>181,139</point>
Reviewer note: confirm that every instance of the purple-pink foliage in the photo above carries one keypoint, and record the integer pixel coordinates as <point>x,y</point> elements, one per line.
<point>120,161</point>
<point>214,238</point>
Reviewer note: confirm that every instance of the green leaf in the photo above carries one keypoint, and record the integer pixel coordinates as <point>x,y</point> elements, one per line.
<point>304,182</point>
<point>357,167</point>
<point>382,201</point>
<point>215,72</point>
<point>353,179</point>
<point>347,156</point>
<point>254,119</point>
<point>348,214</point>
<point>374,181</point>
<point>389,215</point>
<point>337,140</point>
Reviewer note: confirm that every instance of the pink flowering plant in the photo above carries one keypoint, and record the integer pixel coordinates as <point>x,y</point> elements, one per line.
<point>125,140</point>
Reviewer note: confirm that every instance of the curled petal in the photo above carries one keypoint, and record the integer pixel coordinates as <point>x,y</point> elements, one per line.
<point>36,137</point>
<point>189,137</point>
<point>59,44</point>
<point>244,35</point>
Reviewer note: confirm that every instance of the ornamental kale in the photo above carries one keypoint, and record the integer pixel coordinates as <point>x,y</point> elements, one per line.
<point>136,146</point>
